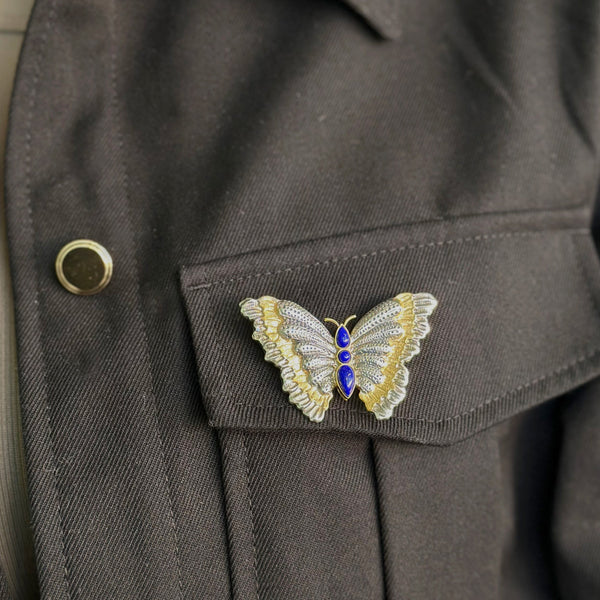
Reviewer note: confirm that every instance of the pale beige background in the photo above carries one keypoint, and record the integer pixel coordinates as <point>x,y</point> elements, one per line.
<point>16,559</point>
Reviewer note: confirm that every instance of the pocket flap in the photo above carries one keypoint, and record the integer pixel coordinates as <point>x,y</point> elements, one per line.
<point>516,324</point>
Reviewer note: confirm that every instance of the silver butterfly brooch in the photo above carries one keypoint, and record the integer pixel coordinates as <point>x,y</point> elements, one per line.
<point>371,358</point>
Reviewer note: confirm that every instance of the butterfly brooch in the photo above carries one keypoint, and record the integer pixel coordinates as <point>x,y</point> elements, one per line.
<point>313,362</point>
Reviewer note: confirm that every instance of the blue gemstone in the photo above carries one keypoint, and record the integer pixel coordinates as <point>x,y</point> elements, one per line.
<point>346,380</point>
<point>344,356</point>
<point>342,337</point>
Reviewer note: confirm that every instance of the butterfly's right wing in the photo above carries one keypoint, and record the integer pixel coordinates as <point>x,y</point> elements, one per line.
<point>383,341</point>
<point>301,346</point>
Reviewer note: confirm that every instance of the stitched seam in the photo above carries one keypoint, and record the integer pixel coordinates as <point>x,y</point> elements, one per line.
<point>366,255</point>
<point>376,470</point>
<point>145,343</point>
<point>28,138</point>
<point>590,295</point>
<point>251,511</point>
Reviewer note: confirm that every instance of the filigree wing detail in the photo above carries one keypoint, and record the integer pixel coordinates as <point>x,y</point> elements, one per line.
<point>383,341</point>
<point>301,346</point>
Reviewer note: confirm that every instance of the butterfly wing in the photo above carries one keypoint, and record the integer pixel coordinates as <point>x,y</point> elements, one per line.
<point>384,340</point>
<point>300,345</point>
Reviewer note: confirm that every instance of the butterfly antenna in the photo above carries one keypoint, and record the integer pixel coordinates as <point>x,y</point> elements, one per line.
<point>328,320</point>
<point>349,319</point>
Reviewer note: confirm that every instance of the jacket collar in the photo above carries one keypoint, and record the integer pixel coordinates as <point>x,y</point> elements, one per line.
<point>382,15</point>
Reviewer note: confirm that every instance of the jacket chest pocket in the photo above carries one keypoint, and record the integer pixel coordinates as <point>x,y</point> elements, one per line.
<point>516,324</point>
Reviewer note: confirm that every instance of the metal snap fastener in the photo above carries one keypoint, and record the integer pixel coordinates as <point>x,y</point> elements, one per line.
<point>84,267</point>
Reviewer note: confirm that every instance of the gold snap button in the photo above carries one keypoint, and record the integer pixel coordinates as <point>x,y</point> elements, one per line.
<point>84,267</point>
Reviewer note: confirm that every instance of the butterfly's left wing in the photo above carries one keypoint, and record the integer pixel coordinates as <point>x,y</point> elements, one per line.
<point>300,345</point>
<point>384,340</point>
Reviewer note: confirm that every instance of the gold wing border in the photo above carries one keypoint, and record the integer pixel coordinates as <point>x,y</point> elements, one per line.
<point>279,350</point>
<point>413,318</point>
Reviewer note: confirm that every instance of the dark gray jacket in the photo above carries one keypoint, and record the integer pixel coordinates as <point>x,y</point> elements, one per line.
<point>334,155</point>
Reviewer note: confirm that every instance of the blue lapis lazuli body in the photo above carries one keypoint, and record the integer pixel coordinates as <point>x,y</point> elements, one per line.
<point>344,356</point>
<point>342,337</point>
<point>346,378</point>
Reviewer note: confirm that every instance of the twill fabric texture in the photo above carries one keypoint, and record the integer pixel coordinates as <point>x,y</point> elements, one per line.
<point>334,154</point>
